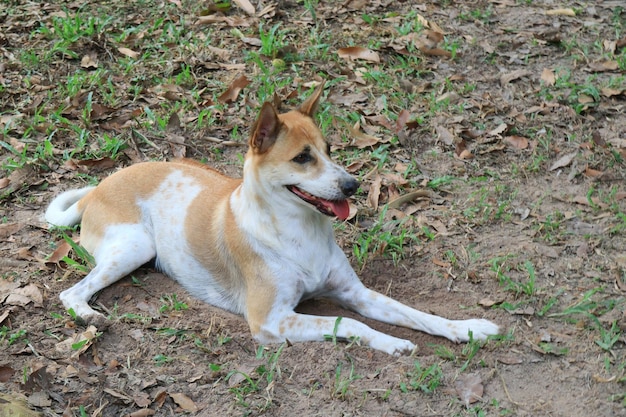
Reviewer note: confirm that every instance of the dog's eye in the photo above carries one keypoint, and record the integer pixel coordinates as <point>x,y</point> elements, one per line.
<point>302,158</point>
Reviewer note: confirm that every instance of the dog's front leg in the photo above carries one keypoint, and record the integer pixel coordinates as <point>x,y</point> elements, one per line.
<point>296,327</point>
<point>348,290</point>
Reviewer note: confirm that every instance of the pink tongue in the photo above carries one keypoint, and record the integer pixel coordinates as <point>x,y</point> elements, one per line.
<point>340,208</point>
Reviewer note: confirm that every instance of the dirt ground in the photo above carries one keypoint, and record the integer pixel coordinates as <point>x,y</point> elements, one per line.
<point>527,228</point>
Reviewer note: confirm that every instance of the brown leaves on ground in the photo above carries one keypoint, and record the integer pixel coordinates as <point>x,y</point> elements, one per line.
<point>230,95</point>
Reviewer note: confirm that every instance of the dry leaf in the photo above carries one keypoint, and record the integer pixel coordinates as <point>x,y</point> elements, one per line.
<point>563,161</point>
<point>4,183</point>
<point>548,77</point>
<point>60,252</point>
<point>78,343</point>
<point>145,412</point>
<point>604,66</point>
<point>500,129</point>
<point>176,139</point>
<point>6,372</point>
<point>184,402</point>
<point>128,52</point>
<point>374,193</point>
<point>347,99</point>
<point>231,94</point>
<point>229,20</point>
<point>517,142</point>
<point>361,139</point>
<point>25,295</point>
<point>358,52</point>
<point>8,229</point>
<point>469,388</point>
<point>246,6</point>
<point>88,62</point>
<point>561,12</point>
<point>445,135</point>
<point>508,77</point>
<point>510,359</point>
<point>487,302</point>
<point>402,120</point>
<point>610,92</point>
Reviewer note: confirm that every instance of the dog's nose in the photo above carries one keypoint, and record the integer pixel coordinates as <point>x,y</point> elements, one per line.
<point>349,186</point>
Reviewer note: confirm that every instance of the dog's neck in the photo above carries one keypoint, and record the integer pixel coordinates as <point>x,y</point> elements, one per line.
<point>265,211</point>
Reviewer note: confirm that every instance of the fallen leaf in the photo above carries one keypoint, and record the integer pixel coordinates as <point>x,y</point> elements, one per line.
<point>402,120</point>
<point>145,412</point>
<point>358,52</point>
<point>128,52</point>
<point>510,359</point>
<point>511,76</point>
<point>25,295</point>
<point>469,388</point>
<point>246,6</point>
<point>4,183</point>
<point>6,372</point>
<point>374,193</point>
<point>585,99</point>
<point>561,12</point>
<point>610,92</point>
<point>502,127</point>
<point>592,173</point>
<point>88,62</point>
<point>184,402</point>
<point>445,135</point>
<point>487,302</point>
<point>39,399</point>
<point>563,161</point>
<point>142,399</point>
<point>603,66</point>
<point>361,139</point>
<point>517,142</point>
<point>78,343</point>
<point>583,200</point>
<point>229,20</point>
<point>348,99</point>
<point>175,136</point>
<point>231,94</point>
<point>441,263</point>
<point>96,165</point>
<point>355,166</point>
<point>8,229</point>
<point>548,77</point>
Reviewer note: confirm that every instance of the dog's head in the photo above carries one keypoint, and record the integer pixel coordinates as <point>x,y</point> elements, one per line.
<point>290,158</point>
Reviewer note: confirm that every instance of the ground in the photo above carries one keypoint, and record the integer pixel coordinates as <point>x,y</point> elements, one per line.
<point>490,141</point>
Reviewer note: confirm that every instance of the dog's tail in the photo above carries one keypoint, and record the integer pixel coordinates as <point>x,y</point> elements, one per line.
<point>63,210</point>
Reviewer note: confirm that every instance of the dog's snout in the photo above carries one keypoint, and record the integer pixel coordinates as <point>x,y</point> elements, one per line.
<point>349,186</point>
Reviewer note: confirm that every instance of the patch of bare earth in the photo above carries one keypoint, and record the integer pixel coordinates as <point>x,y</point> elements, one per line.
<point>537,178</point>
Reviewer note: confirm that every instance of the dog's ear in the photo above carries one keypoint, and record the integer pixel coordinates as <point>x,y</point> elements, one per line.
<point>309,107</point>
<point>266,129</point>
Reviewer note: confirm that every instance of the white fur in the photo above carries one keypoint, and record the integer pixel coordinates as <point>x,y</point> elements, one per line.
<point>62,210</point>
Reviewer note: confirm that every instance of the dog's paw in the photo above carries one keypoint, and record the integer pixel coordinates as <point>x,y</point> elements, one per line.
<point>393,345</point>
<point>480,329</point>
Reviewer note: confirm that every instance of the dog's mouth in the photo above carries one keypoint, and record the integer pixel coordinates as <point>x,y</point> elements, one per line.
<point>339,208</point>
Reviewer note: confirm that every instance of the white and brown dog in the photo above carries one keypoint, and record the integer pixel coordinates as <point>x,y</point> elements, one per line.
<point>255,246</point>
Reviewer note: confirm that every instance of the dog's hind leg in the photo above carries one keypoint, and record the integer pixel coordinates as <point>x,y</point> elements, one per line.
<point>123,249</point>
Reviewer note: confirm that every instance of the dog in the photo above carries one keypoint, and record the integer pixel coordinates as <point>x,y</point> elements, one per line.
<point>255,246</point>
